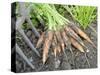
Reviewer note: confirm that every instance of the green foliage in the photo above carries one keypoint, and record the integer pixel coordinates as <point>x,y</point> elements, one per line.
<point>52,15</point>
<point>82,14</point>
<point>60,9</point>
<point>53,20</point>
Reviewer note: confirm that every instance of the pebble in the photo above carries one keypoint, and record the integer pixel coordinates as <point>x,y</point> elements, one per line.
<point>29,33</point>
<point>65,65</point>
<point>30,59</point>
<point>87,50</point>
<point>57,63</point>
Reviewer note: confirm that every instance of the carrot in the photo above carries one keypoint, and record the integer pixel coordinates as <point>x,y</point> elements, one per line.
<point>76,45</point>
<point>58,48</point>
<point>54,46</point>
<point>55,49</point>
<point>71,33</point>
<point>58,36</point>
<point>47,45</point>
<point>85,36</point>
<point>67,43</point>
<point>82,34</point>
<point>65,38</point>
<point>40,40</point>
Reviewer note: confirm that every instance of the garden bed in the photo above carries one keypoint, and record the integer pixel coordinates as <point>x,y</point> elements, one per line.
<point>60,63</point>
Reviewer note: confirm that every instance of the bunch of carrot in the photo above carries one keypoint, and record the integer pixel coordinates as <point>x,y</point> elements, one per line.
<point>60,32</point>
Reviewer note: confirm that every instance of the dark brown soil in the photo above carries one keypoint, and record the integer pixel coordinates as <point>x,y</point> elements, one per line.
<point>63,62</point>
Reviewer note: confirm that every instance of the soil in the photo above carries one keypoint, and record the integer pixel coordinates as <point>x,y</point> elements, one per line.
<point>62,62</point>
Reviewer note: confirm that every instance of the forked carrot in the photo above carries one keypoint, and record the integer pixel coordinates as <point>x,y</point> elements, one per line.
<point>47,45</point>
<point>76,45</point>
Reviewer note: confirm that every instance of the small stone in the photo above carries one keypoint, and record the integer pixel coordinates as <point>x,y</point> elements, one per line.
<point>29,33</point>
<point>57,63</point>
<point>30,59</point>
<point>87,50</point>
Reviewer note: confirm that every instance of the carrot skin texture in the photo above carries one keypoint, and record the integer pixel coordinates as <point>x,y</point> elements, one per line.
<point>82,34</point>
<point>77,45</point>
<point>47,45</point>
<point>60,40</point>
<point>71,33</point>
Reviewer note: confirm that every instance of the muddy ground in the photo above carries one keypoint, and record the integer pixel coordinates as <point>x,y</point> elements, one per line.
<point>63,61</point>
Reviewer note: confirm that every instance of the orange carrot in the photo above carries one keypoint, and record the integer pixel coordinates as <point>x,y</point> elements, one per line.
<point>54,46</point>
<point>65,38</point>
<point>58,48</point>
<point>82,34</point>
<point>40,40</point>
<point>71,33</point>
<point>47,45</point>
<point>76,45</point>
<point>58,36</point>
<point>55,51</point>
